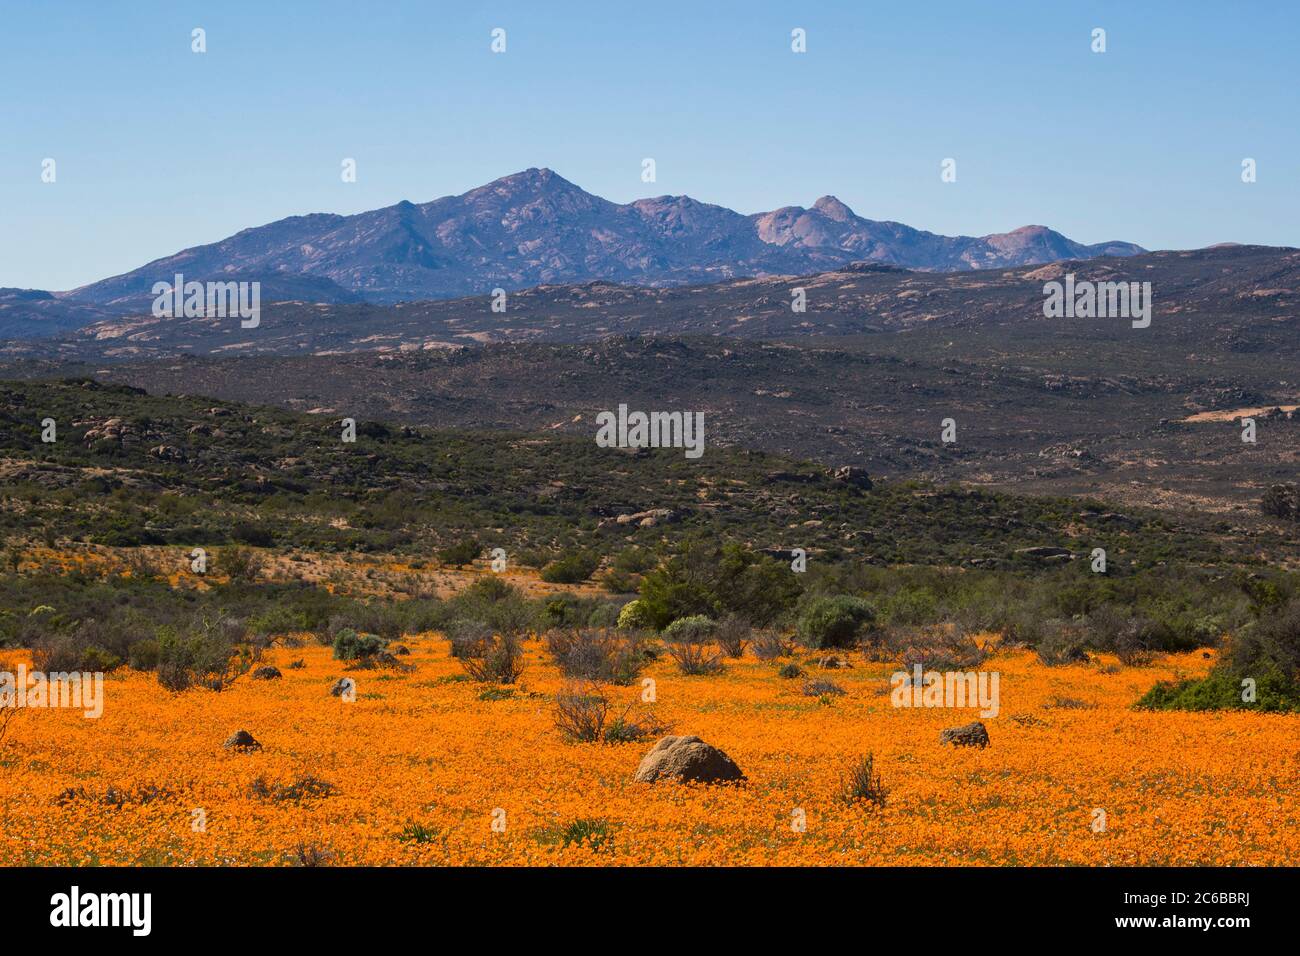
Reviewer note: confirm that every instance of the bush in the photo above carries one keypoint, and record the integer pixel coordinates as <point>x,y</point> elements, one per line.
<point>572,569</point>
<point>1269,644</point>
<point>67,654</point>
<point>589,832</point>
<point>693,630</point>
<point>461,553</point>
<point>790,671</point>
<point>144,655</point>
<point>1282,501</point>
<point>732,636</point>
<point>936,647</point>
<point>863,784</point>
<point>604,615</point>
<point>1223,691</point>
<point>241,565</point>
<point>834,621</point>
<point>596,655</point>
<point>468,638</point>
<point>695,658</point>
<point>499,662</point>
<point>635,616</point>
<point>707,579</point>
<point>1058,643</point>
<point>580,714</point>
<point>630,728</point>
<point>210,651</point>
<point>1266,651</point>
<point>351,646</point>
<point>769,645</point>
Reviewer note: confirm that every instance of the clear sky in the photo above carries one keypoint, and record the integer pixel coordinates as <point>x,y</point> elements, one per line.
<point>158,148</point>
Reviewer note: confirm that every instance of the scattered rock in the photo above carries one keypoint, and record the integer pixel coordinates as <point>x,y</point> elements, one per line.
<point>687,760</point>
<point>968,735</point>
<point>653,516</point>
<point>1046,553</point>
<point>266,673</point>
<point>241,740</point>
<point>167,453</point>
<point>852,475</point>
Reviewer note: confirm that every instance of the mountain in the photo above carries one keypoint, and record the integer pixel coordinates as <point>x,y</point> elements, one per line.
<point>536,227</point>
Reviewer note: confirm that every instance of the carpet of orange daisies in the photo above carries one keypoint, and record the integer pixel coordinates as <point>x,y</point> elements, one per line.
<point>421,766</point>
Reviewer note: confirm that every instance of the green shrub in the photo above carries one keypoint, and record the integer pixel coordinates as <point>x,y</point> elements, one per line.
<point>351,646</point>
<point>1058,643</point>
<point>692,630</point>
<point>461,553</point>
<point>210,651</point>
<point>596,655</point>
<point>499,661</point>
<point>604,615</point>
<point>834,621</point>
<point>242,565</point>
<point>1266,651</point>
<point>634,616</point>
<point>144,655</point>
<point>1223,691</point>
<point>571,569</point>
<point>863,784</point>
<point>68,654</point>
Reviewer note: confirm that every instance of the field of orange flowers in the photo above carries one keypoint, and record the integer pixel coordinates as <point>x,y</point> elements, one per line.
<point>420,767</point>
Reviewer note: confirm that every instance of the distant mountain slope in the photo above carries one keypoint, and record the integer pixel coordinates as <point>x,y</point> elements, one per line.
<point>536,227</point>
<point>1227,299</point>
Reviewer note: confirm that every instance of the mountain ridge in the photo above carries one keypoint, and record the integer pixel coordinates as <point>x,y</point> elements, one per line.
<point>536,227</point>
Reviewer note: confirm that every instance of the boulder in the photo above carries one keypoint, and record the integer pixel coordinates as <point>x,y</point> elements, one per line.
<point>241,740</point>
<point>967,735</point>
<point>1046,553</point>
<point>853,475</point>
<point>649,518</point>
<point>687,760</point>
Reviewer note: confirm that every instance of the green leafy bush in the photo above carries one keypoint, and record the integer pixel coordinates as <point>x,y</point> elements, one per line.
<point>351,646</point>
<point>834,621</point>
<point>461,553</point>
<point>571,569</point>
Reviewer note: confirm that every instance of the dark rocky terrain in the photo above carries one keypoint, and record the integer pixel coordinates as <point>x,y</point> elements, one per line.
<point>864,376</point>
<point>1236,299</point>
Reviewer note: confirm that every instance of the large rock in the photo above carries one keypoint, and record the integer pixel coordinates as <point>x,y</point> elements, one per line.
<point>241,740</point>
<point>649,518</point>
<point>967,735</point>
<point>853,475</point>
<point>687,759</point>
<point>1044,553</point>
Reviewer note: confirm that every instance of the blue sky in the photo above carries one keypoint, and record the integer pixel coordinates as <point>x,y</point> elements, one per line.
<point>158,148</point>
